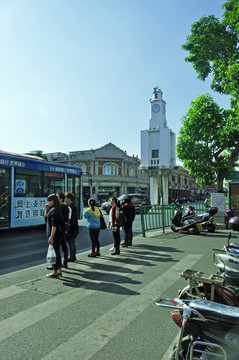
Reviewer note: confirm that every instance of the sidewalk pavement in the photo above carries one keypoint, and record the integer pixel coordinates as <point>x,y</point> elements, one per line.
<point>102,308</point>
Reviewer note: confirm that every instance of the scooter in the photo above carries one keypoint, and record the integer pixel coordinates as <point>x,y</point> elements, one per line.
<point>233,223</point>
<point>227,259</point>
<point>230,213</point>
<point>207,330</point>
<point>193,223</point>
<point>208,222</point>
<point>188,222</point>
<point>223,288</point>
<point>210,287</point>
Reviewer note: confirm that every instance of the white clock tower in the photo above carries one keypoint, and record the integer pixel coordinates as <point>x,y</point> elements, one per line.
<point>157,111</point>
<point>158,149</point>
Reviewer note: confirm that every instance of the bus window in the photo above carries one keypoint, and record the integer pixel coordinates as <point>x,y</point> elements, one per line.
<point>74,186</point>
<point>53,183</point>
<point>27,183</point>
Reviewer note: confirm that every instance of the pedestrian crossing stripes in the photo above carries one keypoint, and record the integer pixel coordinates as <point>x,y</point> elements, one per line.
<point>84,344</point>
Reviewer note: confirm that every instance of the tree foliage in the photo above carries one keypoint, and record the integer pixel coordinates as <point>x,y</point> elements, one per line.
<point>213,49</point>
<point>39,153</point>
<point>208,142</point>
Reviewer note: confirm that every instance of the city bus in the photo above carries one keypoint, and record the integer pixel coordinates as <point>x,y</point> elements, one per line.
<point>25,183</point>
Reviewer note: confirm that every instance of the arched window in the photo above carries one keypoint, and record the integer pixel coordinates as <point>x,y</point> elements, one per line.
<point>110,169</point>
<point>83,166</point>
<point>131,170</point>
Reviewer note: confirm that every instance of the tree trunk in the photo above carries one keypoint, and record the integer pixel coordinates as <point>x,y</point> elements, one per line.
<point>221,176</point>
<point>220,179</point>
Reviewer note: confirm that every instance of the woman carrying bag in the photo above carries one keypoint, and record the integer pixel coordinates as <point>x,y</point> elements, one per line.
<point>93,215</point>
<point>113,217</point>
<point>54,231</point>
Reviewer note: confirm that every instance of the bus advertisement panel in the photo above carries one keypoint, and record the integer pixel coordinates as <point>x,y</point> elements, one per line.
<point>25,183</point>
<point>27,211</point>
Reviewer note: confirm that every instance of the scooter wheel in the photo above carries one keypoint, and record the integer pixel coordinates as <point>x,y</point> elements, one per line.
<point>174,229</point>
<point>183,352</point>
<point>195,230</point>
<point>231,278</point>
<point>211,228</point>
<point>185,293</point>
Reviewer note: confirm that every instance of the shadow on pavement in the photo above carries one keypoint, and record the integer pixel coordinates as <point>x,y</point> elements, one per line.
<point>158,248</point>
<point>102,286</point>
<point>107,268</point>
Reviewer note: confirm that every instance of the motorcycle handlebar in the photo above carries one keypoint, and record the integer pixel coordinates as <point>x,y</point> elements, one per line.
<point>181,306</point>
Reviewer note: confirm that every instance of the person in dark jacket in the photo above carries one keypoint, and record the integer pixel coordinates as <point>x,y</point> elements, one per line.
<point>54,230</point>
<point>66,216</point>
<point>74,227</point>
<point>129,210</point>
<point>65,210</point>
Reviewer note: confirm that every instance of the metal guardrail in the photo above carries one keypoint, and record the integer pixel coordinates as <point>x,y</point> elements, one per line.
<point>154,217</point>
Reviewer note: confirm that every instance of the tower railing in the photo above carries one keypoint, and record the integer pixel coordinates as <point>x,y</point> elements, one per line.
<point>156,217</point>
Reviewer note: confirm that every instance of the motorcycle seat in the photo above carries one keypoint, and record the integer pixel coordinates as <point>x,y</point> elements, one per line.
<point>215,311</point>
<point>187,216</point>
<point>233,245</point>
<point>233,251</point>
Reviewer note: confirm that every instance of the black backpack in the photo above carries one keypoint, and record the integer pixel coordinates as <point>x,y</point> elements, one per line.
<point>121,219</point>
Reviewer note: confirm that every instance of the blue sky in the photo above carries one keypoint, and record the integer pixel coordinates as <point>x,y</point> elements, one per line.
<point>77,74</point>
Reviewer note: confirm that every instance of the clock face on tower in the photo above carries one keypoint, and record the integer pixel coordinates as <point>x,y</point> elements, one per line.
<point>156,108</point>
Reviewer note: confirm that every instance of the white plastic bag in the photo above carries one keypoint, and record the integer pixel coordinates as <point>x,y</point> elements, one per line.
<point>51,255</point>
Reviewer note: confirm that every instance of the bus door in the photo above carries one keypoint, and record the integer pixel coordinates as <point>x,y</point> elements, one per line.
<point>5,205</point>
<point>74,186</point>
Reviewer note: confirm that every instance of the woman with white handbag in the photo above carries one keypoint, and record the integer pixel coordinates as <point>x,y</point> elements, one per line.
<point>54,230</point>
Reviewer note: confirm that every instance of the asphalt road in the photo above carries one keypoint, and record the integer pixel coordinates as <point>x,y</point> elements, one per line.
<point>102,308</point>
<point>23,248</point>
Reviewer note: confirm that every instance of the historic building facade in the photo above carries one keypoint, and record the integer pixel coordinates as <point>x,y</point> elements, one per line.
<point>182,184</point>
<point>107,171</point>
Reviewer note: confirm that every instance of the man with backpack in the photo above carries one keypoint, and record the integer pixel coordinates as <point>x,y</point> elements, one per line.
<point>128,210</point>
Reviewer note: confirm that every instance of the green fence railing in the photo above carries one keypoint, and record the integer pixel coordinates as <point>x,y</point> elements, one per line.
<point>154,217</point>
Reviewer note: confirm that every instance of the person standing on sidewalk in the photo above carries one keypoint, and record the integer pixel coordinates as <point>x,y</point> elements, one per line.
<point>113,216</point>
<point>129,211</point>
<point>74,227</point>
<point>54,230</point>
<point>92,215</point>
<point>66,211</point>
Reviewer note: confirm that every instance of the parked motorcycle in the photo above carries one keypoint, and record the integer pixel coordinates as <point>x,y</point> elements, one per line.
<point>233,223</point>
<point>208,330</point>
<point>230,213</point>
<point>227,259</point>
<point>208,222</point>
<point>221,289</point>
<point>192,222</point>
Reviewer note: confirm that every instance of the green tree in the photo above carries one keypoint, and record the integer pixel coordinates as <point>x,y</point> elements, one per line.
<point>213,49</point>
<point>208,141</point>
<point>39,153</point>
